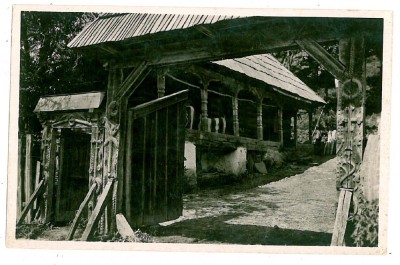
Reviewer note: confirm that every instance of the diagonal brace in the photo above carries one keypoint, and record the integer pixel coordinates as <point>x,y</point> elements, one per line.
<point>133,80</point>
<point>330,63</point>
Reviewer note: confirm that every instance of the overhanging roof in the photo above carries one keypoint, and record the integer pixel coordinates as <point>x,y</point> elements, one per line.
<point>70,102</point>
<point>268,69</point>
<point>118,27</point>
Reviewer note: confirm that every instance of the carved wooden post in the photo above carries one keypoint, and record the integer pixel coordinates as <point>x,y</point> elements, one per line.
<point>204,103</point>
<point>48,152</point>
<point>161,82</point>
<point>260,131</point>
<point>235,111</point>
<point>350,129</point>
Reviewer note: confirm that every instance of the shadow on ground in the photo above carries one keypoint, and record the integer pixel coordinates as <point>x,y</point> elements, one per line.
<point>215,230</point>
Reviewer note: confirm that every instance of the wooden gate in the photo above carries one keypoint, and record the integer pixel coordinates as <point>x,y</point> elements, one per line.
<point>154,160</point>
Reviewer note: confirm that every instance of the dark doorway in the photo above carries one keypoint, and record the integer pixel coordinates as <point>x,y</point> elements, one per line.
<point>74,173</point>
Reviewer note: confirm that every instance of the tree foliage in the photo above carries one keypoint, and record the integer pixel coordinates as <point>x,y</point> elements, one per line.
<point>48,66</point>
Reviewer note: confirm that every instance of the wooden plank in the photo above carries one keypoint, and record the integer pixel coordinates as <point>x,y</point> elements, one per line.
<point>341,217</point>
<point>78,215</point>
<point>28,172</point>
<point>133,80</point>
<point>128,169</point>
<point>50,184</point>
<point>124,229</point>
<point>37,180</point>
<point>102,202</point>
<point>158,104</point>
<point>280,126</point>
<point>19,190</point>
<point>29,203</point>
<point>165,201</point>
<point>143,172</point>
<point>323,57</point>
<point>155,165</point>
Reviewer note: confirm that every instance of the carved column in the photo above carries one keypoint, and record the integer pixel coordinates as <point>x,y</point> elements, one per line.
<point>111,146</point>
<point>235,111</point>
<point>260,131</point>
<point>350,112</point>
<point>350,138</point>
<point>204,107</point>
<point>161,82</point>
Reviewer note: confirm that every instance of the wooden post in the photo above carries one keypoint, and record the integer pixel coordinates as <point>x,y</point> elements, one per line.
<point>28,173</point>
<point>37,177</point>
<point>295,129</point>
<point>350,123</point>
<point>204,107</point>
<point>280,125</point>
<point>19,190</point>
<point>310,129</point>
<point>235,111</point>
<point>260,131</point>
<point>161,83</point>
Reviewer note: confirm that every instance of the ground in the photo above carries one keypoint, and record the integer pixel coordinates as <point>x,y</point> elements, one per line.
<point>296,210</point>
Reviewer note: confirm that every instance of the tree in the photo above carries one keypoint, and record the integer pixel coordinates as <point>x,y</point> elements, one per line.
<point>48,66</point>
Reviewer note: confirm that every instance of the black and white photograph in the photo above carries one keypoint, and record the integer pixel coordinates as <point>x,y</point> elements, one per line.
<point>199,129</point>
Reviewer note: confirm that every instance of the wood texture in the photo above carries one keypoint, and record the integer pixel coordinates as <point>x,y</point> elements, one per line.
<point>78,215</point>
<point>155,158</point>
<point>28,172</point>
<point>32,198</point>
<point>323,57</point>
<point>341,217</point>
<point>102,202</point>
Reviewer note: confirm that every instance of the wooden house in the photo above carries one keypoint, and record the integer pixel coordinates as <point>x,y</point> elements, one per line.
<point>201,79</point>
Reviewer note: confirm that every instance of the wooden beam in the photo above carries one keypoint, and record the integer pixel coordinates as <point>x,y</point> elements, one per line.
<point>330,63</point>
<point>133,80</point>
<point>28,171</point>
<point>78,215</point>
<point>33,197</point>
<point>161,82</point>
<point>280,125</point>
<point>342,215</point>
<point>102,202</point>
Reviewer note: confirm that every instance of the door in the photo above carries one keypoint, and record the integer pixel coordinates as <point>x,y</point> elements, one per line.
<point>154,160</point>
<point>74,173</point>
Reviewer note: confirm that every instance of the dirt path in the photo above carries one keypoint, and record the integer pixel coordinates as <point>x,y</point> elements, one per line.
<point>294,211</point>
<point>298,210</point>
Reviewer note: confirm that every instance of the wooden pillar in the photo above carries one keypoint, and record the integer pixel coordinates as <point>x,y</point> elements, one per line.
<point>161,83</point>
<point>28,173</point>
<point>350,131</point>
<point>295,129</point>
<point>204,106</point>
<point>310,128</point>
<point>235,111</point>
<point>280,125</point>
<point>260,131</point>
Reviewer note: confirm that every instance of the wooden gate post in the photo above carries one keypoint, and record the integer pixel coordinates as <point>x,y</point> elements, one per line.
<point>350,129</point>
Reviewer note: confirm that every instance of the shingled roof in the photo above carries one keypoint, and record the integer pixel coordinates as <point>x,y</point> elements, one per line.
<point>267,68</point>
<point>113,28</point>
<point>118,27</point>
